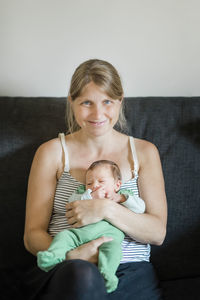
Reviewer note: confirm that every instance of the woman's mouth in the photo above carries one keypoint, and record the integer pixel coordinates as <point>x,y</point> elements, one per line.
<point>97,123</point>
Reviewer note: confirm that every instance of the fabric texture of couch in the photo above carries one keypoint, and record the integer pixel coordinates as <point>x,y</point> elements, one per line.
<point>172,124</point>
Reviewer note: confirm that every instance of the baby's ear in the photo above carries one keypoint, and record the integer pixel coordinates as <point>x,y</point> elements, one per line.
<point>118,184</point>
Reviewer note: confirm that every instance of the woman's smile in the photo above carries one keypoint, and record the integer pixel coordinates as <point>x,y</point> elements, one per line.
<point>97,123</point>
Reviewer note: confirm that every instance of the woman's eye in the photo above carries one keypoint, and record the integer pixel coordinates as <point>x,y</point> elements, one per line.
<point>87,103</point>
<point>107,101</point>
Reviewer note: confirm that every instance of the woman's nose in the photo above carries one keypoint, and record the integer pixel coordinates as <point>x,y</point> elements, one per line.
<point>97,112</point>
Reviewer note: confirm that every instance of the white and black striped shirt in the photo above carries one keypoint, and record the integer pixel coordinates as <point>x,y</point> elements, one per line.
<point>133,251</point>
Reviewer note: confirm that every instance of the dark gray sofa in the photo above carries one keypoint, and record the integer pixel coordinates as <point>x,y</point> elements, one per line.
<point>173,124</point>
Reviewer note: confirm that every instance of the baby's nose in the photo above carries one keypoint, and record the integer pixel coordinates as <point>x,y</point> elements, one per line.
<point>95,185</point>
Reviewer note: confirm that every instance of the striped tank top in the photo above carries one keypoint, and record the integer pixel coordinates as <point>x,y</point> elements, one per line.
<point>133,251</point>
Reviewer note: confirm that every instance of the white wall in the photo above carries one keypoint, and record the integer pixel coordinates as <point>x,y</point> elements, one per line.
<point>154,44</point>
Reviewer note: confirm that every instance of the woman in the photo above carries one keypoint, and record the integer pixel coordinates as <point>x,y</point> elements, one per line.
<point>95,106</point>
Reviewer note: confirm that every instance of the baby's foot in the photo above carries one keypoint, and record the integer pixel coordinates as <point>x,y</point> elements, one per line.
<point>46,260</point>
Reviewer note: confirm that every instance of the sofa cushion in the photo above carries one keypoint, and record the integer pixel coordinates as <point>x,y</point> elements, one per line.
<point>181,289</point>
<point>172,124</point>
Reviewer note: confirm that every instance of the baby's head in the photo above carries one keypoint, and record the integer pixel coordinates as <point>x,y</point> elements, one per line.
<point>103,174</point>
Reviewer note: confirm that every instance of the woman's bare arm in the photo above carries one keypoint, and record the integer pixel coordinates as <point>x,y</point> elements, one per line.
<point>41,190</point>
<point>40,195</point>
<point>151,226</point>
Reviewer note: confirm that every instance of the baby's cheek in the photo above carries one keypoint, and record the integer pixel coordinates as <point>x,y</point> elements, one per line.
<point>111,193</point>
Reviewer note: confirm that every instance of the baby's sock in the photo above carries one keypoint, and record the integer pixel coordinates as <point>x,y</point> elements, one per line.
<point>111,281</point>
<point>46,260</point>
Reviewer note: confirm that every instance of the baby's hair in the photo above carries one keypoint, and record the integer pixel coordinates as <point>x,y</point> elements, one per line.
<point>113,166</point>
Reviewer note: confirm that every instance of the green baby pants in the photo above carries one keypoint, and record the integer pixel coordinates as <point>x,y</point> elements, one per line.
<point>110,253</point>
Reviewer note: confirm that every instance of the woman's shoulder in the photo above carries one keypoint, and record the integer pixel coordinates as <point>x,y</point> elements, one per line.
<point>146,150</point>
<point>144,144</point>
<point>50,150</point>
<point>50,146</point>
<point>49,156</point>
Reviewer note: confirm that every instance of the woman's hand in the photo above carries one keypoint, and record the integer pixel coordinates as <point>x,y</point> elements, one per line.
<point>88,251</point>
<point>84,212</point>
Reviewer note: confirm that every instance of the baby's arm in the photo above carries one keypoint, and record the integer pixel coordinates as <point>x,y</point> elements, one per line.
<point>124,196</point>
<point>133,202</point>
<point>76,196</point>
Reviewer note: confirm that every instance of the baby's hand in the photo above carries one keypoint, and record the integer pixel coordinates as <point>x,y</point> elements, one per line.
<point>118,198</point>
<point>99,193</point>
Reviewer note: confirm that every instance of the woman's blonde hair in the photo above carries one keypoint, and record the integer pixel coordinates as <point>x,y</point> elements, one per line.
<point>104,75</point>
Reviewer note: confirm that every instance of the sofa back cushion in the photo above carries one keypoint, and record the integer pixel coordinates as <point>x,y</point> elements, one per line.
<point>172,124</point>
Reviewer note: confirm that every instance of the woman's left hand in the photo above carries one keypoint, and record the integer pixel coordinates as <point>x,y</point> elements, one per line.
<point>84,212</point>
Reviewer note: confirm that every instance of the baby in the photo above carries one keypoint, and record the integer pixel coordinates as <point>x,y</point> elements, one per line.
<point>103,180</point>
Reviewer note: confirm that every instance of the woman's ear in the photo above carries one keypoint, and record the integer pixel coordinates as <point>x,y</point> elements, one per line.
<point>69,98</point>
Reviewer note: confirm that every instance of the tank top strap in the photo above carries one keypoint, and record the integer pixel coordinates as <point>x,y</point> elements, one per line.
<point>64,146</point>
<point>134,154</point>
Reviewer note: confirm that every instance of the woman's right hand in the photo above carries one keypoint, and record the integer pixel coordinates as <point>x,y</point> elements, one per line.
<point>88,251</point>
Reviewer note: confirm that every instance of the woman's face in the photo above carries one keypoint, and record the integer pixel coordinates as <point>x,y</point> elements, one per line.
<point>94,111</point>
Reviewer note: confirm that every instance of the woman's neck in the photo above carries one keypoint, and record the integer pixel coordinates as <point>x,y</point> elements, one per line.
<point>98,143</point>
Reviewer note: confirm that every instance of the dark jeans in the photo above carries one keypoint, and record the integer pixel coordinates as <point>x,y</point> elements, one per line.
<point>81,280</point>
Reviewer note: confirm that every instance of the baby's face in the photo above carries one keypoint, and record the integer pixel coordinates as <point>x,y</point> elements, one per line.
<point>102,177</point>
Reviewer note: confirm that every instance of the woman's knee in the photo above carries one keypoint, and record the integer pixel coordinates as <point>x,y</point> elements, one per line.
<point>81,271</point>
<point>76,278</point>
